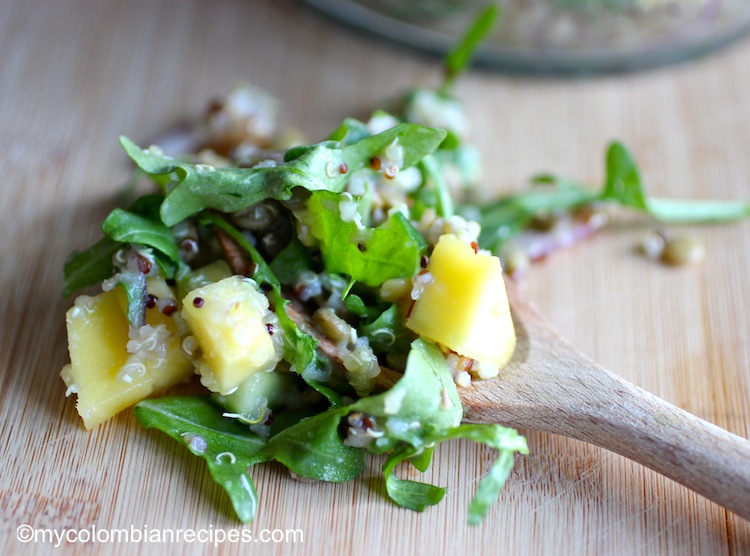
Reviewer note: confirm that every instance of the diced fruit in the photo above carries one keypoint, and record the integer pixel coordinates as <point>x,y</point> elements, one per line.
<point>228,320</point>
<point>97,336</point>
<point>189,280</point>
<point>112,367</point>
<point>464,306</point>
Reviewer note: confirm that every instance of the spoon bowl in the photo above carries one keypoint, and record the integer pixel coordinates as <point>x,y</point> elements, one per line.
<point>549,386</point>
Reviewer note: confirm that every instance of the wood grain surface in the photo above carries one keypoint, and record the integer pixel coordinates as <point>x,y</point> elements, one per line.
<point>74,75</point>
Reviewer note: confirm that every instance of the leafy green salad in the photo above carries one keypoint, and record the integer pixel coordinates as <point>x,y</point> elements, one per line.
<point>332,298</point>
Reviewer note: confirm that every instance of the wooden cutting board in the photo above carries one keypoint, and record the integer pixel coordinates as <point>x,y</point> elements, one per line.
<point>74,75</point>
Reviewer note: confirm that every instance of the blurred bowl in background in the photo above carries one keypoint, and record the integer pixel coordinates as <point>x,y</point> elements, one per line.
<point>557,36</point>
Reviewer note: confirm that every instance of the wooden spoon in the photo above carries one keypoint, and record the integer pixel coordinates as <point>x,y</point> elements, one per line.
<point>549,386</point>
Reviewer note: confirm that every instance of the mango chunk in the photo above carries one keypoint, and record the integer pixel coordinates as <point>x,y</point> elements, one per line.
<point>463,305</point>
<point>228,320</point>
<point>113,367</point>
<point>188,280</point>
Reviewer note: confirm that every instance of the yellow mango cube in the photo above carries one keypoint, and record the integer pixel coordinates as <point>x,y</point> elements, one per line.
<point>192,279</point>
<point>463,305</point>
<point>113,367</point>
<point>97,336</point>
<point>228,320</point>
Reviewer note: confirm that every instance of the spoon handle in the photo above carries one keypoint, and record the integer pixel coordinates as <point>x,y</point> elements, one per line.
<point>593,405</point>
<point>553,388</point>
<point>707,459</point>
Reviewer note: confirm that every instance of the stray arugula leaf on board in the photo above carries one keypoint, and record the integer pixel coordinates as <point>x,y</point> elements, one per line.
<point>509,215</point>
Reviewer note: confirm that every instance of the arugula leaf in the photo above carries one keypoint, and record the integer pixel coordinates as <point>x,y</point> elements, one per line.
<point>506,440</point>
<point>318,167</point>
<point>350,131</point>
<point>313,448</point>
<point>128,226</point>
<point>368,255</point>
<point>228,447</point>
<point>134,285</point>
<point>356,305</point>
<point>623,180</point>
<point>705,211</point>
<point>427,397</point>
<point>387,333</point>
<point>291,262</point>
<point>413,495</point>
<point>89,267</point>
<point>623,185</point>
<point>138,224</point>
<point>459,57</point>
<point>423,459</point>
<point>425,394</point>
<point>432,170</point>
<point>509,215</point>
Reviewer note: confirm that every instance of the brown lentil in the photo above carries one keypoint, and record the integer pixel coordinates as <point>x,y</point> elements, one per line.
<point>682,250</point>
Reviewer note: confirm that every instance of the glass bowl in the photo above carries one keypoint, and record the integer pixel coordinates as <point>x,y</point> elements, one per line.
<point>557,36</point>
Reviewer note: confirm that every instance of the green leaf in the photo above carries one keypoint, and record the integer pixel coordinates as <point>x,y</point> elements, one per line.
<point>89,267</point>
<point>139,224</point>
<point>507,216</point>
<point>623,183</point>
<point>490,486</point>
<point>228,447</point>
<point>425,394</point>
<point>432,170</point>
<point>134,285</point>
<point>356,305</point>
<point>507,441</point>
<point>423,459</point>
<point>139,227</point>
<point>314,448</point>
<point>459,57</point>
<point>291,262</point>
<point>703,211</point>
<point>319,167</point>
<point>413,495</point>
<point>368,255</point>
<point>387,333</point>
<point>350,131</point>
